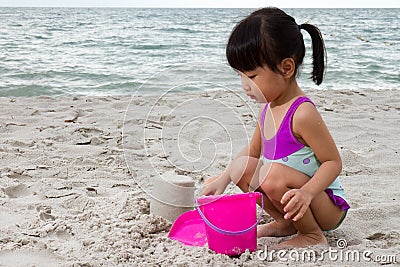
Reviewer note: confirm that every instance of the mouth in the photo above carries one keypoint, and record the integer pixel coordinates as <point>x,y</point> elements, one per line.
<point>251,96</point>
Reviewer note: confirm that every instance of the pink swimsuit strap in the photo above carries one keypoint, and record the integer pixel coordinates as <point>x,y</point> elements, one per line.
<point>283,143</point>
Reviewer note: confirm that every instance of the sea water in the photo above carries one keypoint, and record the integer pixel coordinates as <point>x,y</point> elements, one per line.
<point>106,51</point>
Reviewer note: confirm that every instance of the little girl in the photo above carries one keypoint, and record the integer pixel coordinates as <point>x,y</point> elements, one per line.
<point>291,158</point>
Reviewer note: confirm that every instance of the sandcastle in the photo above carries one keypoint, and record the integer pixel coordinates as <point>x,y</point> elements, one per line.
<point>172,195</point>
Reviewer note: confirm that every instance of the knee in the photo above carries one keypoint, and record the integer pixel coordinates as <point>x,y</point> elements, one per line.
<point>271,182</point>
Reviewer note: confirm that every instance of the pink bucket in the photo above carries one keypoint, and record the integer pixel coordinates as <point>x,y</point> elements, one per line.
<point>231,221</point>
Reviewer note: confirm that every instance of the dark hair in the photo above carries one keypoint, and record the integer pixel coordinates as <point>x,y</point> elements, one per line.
<point>269,35</point>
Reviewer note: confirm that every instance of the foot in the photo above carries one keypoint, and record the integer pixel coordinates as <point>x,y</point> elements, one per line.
<point>305,240</point>
<point>276,229</point>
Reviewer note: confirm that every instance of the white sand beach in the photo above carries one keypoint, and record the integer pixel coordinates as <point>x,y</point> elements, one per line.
<point>73,173</point>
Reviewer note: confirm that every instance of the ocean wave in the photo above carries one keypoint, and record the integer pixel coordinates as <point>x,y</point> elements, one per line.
<point>99,51</point>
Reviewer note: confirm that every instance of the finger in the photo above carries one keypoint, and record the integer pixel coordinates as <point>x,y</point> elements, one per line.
<point>293,210</point>
<point>287,196</point>
<point>301,213</point>
<point>206,192</point>
<point>291,204</point>
<point>295,214</point>
<point>219,192</point>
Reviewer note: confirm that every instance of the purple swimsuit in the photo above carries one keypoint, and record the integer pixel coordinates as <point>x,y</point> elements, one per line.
<point>284,148</point>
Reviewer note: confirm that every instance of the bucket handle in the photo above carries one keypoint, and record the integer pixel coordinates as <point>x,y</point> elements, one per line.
<point>226,232</point>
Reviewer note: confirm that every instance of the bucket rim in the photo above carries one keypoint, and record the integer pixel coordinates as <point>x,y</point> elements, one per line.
<point>203,200</point>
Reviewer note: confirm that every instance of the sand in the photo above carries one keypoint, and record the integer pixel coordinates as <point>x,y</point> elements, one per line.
<point>74,171</point>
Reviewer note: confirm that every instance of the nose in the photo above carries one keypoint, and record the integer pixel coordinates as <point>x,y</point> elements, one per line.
<point>245,84</point>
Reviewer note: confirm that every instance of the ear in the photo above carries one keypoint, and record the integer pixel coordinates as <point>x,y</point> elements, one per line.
<point>287,67</point>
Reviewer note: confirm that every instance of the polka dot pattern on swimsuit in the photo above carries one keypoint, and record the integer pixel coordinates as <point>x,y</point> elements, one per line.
<point>305,161</point>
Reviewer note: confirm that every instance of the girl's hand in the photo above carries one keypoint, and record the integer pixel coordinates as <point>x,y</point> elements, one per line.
<point>215,185</point>
<point>296,202</point>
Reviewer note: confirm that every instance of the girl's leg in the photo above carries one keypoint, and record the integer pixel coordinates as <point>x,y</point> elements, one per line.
<point>244,172</point>
<point>280,226</point>
<point>322,214</point>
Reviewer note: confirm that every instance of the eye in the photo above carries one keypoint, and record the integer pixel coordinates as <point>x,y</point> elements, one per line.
<point>252,76</point>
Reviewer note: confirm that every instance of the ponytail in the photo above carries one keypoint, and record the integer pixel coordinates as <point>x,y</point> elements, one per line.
<point>269,35</point>
<point>319,52</point>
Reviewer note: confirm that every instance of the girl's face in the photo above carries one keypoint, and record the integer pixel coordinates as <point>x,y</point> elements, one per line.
<point>262,84</point>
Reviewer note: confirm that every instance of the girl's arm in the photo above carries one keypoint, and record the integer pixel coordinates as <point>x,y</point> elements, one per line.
<point>217,184</point>
<point>310,128</point>
<point>253,149</point>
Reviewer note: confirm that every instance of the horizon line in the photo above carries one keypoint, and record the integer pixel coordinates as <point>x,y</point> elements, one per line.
<point>193,7</point>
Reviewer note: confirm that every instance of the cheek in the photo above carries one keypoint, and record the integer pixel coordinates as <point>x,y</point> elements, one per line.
<point>260,92</point>
<point>261,97</point>
<point>256,89</point>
